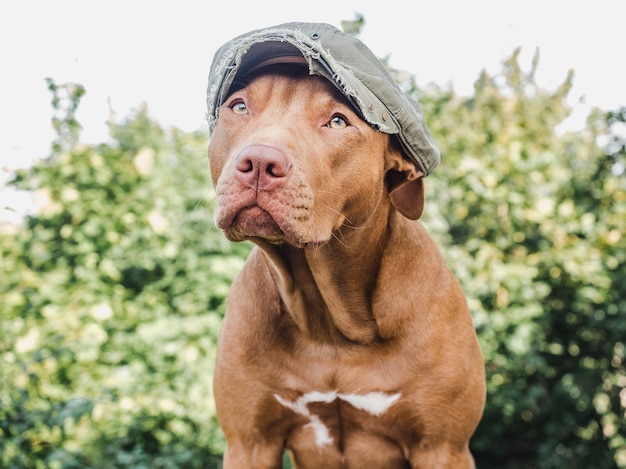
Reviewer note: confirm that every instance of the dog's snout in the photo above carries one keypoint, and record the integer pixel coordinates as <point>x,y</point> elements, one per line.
<point>261,166</point>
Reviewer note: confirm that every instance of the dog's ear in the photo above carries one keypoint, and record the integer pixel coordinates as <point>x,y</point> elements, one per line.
<point>405,185</point>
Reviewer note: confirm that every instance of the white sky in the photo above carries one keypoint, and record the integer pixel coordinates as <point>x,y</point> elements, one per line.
<point>131,51</point>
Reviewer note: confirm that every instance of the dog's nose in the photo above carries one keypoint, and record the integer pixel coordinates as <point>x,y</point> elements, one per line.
<point>261,166</point>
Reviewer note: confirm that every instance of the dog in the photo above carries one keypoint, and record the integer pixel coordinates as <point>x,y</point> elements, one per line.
<point>347,341</point>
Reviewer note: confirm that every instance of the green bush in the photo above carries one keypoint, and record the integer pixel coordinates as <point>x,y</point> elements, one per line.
<point>112,293</point>
<point>533,222</point>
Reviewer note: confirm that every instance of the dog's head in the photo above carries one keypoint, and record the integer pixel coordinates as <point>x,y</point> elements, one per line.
<point>307,122</point>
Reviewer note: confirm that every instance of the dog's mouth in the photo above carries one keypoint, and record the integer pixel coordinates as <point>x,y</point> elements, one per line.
<point>285,213</point>
<point>255,222</point>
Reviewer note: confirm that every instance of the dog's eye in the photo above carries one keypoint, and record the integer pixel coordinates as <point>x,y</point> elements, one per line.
<point>239,107</point>
<point>337,122</point>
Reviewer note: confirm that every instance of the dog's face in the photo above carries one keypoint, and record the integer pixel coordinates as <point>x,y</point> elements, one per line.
<point>292,163</point>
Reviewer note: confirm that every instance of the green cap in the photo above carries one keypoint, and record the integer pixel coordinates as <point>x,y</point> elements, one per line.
<point>342,59</point>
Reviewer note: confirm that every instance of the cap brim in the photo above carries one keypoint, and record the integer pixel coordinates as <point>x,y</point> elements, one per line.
<point>265,54</point>
<point>280,60</point>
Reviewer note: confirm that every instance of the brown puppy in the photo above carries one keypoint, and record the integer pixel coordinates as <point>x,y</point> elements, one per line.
<point>347,340</point>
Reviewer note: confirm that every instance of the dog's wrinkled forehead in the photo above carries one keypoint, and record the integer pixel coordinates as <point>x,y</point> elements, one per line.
<point>340,58</point>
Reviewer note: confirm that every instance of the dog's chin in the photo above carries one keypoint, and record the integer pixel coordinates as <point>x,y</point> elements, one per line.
<point>254,223</point>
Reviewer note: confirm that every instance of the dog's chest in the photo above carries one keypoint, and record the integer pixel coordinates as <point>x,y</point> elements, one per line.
<point>327,416</point>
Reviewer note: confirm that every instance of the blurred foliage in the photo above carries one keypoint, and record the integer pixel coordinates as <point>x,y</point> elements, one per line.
<point>533,222</point>
<point>111,299</point>
<point>354,26</point>
<point>65,101</point>
<point>112,292</point>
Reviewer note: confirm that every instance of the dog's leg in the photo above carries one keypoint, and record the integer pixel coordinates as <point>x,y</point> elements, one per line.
<point>441,456</point>
<point>263,455</point>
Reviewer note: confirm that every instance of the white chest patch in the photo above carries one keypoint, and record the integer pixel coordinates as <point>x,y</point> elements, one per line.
<point>375,403</point>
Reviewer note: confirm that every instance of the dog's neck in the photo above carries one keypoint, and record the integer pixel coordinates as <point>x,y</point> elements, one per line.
<point>328,289</point>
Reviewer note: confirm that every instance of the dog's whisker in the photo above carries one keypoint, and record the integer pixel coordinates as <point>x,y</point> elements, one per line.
<point>341,242</point>
<point>208,196</point>
<point>346,219</point>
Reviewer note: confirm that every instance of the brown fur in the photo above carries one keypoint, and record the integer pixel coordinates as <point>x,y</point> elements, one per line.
<point>345,291</point>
